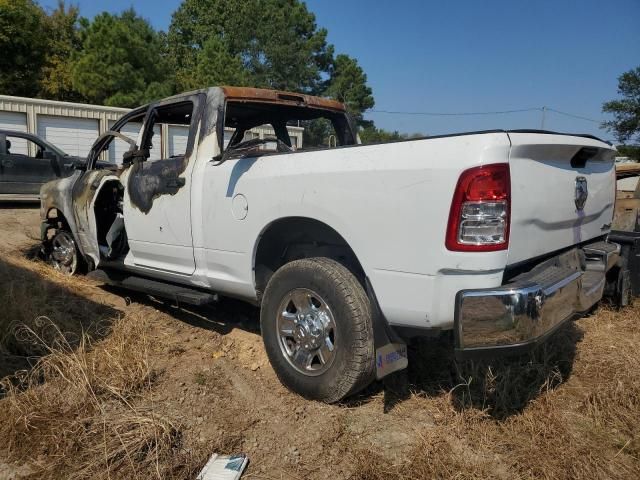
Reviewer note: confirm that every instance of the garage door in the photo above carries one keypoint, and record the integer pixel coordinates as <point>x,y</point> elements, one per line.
<point>18,123</point>
<point>178,137</point>
<point>73,135</point>
<point>119,147</point>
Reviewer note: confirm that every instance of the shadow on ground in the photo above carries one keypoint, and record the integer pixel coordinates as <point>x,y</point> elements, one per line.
<point>35,310</point>
<point>220,317</point>
<point>501,386</point>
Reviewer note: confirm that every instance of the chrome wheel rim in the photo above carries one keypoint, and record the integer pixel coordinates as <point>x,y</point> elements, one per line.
<point>63,253</point>
<point>307,332</point>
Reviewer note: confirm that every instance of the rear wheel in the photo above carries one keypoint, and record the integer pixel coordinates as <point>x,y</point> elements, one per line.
<point>317,330</point>
<point>64,255</point>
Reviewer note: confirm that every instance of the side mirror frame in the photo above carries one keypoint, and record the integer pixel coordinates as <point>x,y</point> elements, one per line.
<point>134,155</point>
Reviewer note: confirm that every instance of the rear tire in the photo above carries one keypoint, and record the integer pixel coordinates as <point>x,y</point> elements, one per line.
<point>317,329</point>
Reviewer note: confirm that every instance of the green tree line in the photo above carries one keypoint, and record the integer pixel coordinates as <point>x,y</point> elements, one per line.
<point>121,60</point>
<point>625,110</point>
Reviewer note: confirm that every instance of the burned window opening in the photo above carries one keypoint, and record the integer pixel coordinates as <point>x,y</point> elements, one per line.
<point>104,142</point>
<point>176,115</point>
<point>322,128</point>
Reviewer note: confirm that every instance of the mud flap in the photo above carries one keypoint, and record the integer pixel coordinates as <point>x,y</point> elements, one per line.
<point>391,358</point>
<point>391,350</point>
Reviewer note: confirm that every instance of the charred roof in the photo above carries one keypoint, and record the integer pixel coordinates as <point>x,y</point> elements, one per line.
<point>280,97</point>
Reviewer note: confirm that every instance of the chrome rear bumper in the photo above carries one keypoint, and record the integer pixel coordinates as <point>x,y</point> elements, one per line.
<point>520,314</point>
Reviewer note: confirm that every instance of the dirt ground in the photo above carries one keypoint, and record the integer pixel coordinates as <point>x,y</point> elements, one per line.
<point>212,380</point>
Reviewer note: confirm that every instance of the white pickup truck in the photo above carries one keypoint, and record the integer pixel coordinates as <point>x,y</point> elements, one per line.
<point>349,250</point>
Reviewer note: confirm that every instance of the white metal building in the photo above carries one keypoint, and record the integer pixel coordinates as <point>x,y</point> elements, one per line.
<point>75,126</point>
<point>71,126</point>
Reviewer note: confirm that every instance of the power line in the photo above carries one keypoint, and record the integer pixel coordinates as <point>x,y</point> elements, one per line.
<point>443,114</point>
<point>573,115</point>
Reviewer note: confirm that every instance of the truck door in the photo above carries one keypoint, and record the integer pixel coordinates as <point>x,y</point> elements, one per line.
<point>88,184</point>
<point>157,203</point>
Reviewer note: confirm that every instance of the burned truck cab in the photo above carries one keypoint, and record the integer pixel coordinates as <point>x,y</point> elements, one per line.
<point>134,212</point>
<point>88,209</point>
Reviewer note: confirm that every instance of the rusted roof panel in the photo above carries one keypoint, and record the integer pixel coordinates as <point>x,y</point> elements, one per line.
<point>277,96</point>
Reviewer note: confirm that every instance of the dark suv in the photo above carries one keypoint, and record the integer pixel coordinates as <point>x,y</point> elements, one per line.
<point>28,161</point>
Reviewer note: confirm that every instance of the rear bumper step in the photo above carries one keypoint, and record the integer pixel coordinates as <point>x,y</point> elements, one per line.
<point>177,293</point>
<point>516,316</point>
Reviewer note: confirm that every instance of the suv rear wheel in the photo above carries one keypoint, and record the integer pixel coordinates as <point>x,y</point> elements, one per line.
<point>317,329</point>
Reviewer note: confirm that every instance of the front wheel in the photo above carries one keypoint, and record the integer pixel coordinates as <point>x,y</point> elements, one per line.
<point>64,255</point>
<point>317,329</point>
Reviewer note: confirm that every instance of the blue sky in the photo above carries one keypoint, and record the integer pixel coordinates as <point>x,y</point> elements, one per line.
<point>471,56</point>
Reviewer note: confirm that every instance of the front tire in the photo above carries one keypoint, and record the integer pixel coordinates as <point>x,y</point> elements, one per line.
<point>317,329</point>
<point>64,255</point>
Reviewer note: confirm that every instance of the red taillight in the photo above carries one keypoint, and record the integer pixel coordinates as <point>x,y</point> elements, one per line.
<point>480,210</point>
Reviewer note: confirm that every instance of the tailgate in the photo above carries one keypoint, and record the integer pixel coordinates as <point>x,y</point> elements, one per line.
<point>549,173</point>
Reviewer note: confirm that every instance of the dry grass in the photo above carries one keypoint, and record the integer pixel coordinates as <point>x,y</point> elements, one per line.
<point>30,293</point>
<point>77,411</point>
<point>535,417</point>
<point>82,410</point>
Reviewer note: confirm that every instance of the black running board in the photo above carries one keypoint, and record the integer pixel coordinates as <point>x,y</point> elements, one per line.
<point>172,291</point>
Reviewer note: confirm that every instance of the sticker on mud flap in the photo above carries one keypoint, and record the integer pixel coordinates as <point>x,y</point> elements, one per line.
<point>390,358</point>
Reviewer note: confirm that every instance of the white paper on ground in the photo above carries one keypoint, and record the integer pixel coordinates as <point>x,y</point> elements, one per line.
<point>224,467</point>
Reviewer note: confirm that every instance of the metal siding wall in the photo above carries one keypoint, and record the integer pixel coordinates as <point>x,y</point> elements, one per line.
<point>17,122</point>
<point>73,135</point>
<point>33,108</point>
<point>178,137</point>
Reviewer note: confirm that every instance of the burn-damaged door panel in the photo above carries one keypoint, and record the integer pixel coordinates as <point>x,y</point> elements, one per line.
<point>84,194</point>
<point>157,203</point>
<point>87,184</point>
